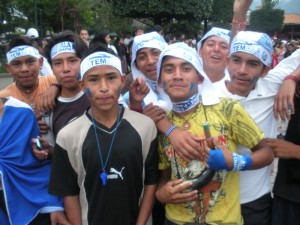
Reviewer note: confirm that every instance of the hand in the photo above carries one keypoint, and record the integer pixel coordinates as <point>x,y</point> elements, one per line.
<point>44,129</point>
<point>284,100</point>
<point>46,101</point>
<point>220,159</point>
<point>154,112</point>
<point>283,149</point>
<point>240,9</point>
<point>138,89</point>
<point>59,218</point>
<point>41,154</point>
<point>186,145</point>
<point>172,192</point>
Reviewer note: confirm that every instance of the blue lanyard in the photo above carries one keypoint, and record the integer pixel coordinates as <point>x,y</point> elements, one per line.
<point>103,174</point>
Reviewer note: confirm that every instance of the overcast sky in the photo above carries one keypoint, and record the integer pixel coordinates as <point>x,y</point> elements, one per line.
<point>289,6</point>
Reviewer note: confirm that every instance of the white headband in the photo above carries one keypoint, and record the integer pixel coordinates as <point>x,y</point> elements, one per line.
<point>100,59</point>
<point>20,51</point>
<point>62,47</point>
<point>254,43</point>
<point>149,40</point>
<point>215,31</point>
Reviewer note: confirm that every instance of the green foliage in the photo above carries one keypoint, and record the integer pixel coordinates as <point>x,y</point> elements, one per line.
<point>269,4</point>
<point>222,11</point>
<point>267,20</point>
<point>159,11</point>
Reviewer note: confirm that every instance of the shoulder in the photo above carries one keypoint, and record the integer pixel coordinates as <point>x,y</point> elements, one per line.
<point>143,124</point>
<point>78,124</point>
<point>50,79</point>
<point>7,91</point>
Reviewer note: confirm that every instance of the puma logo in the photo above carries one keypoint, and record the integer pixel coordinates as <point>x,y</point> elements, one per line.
<point>113,170</point>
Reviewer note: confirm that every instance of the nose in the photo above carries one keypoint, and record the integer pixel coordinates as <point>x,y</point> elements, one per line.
<point>103,87</point>
<point>66,67</point>
<point>152,59</point>
<point>216,48</point>
<point>243,68</point>
<point>24,67</point>
<point>177,73</point>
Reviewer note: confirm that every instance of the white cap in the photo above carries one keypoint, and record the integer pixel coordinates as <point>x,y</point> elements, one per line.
<point>32,33</point>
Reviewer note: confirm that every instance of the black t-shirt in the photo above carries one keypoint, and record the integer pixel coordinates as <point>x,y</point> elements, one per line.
<point>67,111</point>
<point>287,183</point>
<point>77,167</point>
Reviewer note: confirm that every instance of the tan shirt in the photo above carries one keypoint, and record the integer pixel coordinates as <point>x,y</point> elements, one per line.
<point>34,97</point>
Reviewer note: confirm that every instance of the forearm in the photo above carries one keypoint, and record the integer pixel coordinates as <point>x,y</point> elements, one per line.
<point>73,210</point>
<point>262,156</point>
<point>146,204</point>
<point>163,125</point>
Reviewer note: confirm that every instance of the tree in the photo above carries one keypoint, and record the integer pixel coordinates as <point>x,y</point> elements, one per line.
<point>222,11</point>
<point>267,19</point>
<point>159,11</point>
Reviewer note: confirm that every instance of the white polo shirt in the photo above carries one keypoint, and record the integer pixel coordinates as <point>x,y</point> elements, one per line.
<point>259,104</point>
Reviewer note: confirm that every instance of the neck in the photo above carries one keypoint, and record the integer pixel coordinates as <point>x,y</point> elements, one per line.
<point>69,93</point>
<point>186,113</point>
<point>27,90</point>
<point>232,90</point>
<point>107,118</point>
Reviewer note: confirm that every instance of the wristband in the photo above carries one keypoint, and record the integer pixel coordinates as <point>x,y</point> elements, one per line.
<point>216,160</point>
<point>241,162</point>
<point>240,24</point>
<point>291,77</point>
<point>169,131</point>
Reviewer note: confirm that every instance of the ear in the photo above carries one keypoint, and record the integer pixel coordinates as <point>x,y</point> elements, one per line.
<point>41,61</point>
<point>7,67</point>
<point>200,79</point>
<point>265,71</point>
<point>228,60</point>
<point>81,85</point>
<point>123,80</point>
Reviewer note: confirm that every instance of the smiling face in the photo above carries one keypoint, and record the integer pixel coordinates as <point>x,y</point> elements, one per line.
<point>245,70</point>
<point>214,53</point>
<point>146,61</point>
<point>66,67</point>
<point>178,78</point>
<point>25,71</point>
<point>105,84</point>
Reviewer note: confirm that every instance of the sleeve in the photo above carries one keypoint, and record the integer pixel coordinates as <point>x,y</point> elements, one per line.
<point>63,179</point>
<point>275,77</point>
<point>244,130</point>
<point>151,165</point>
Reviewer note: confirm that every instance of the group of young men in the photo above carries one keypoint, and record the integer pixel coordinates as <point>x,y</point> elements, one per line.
<point>210,161</point>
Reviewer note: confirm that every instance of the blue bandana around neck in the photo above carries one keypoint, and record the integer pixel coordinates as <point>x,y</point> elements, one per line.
<point>186,105</point>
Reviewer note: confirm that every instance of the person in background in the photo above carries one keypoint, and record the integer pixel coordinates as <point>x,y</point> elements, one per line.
<point>46,68</point>
<point>121,49</point>
<point>84,35</point>
<point>104,38</point>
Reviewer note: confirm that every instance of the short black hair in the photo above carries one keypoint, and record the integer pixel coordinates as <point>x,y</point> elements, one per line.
<point>21,40</point>
<point>99,47</point>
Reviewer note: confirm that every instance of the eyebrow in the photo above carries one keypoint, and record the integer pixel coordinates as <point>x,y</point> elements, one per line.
<point>181,64</point>
<point>250,60</point>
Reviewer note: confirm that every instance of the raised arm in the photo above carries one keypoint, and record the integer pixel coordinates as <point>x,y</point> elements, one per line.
<point>240,9</point>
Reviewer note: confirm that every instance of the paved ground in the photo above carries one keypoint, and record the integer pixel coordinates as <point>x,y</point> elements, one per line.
<point>5,79</point>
